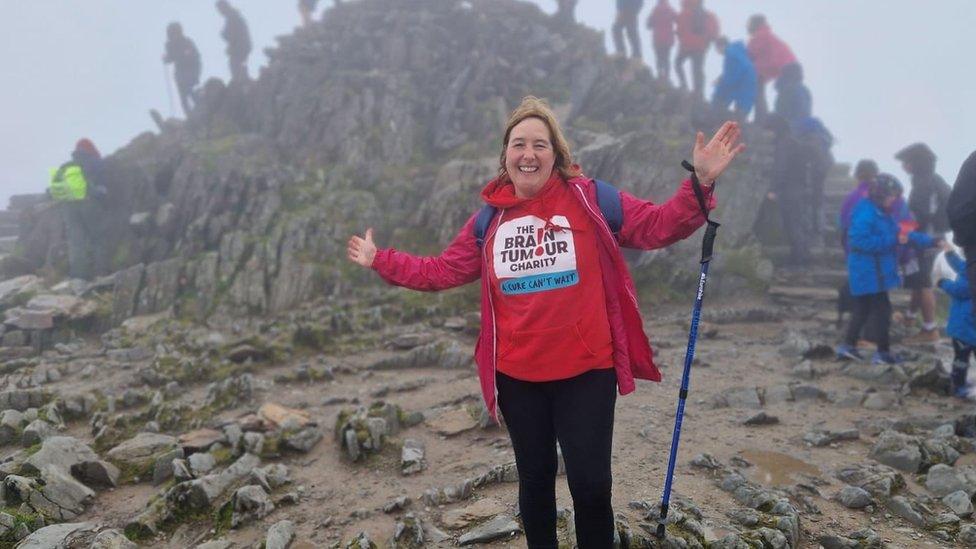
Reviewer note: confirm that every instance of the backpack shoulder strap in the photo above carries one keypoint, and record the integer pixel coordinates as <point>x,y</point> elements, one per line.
<point>485,215</point>
<point>608,198</point>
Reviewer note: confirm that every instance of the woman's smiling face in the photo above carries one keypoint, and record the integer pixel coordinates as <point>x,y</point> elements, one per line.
<point>529,157</point>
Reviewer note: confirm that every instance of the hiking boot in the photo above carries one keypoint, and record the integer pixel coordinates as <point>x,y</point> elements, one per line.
<point>924,337</point>
<point>846,352</point>
<point>885,357</point>
<point>960,388</point>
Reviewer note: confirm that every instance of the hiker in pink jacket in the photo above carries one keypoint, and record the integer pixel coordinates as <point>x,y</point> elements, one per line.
<point>561,331</point>
<point>769,55</point>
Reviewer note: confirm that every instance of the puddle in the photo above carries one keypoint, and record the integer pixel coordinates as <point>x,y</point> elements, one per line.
<point>776,469</point>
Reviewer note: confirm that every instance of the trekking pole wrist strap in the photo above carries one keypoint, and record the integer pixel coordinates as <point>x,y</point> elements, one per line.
<point>711,231</point>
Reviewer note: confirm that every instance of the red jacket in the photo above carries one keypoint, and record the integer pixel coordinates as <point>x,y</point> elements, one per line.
<point>645,225</point>
<point>691,41</point>
<point>769,54</point>
<point>661,22</point>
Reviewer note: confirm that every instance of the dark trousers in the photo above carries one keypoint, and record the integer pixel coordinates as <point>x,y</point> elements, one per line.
<point>875,308</point>
<point>962,351</point>
<point>187,97</point>
<point>577,412</point>
<point>627,21</point>
<point>662,55</point>
<point>791,207</point>
<point>697,71</point>
<point>238,68</point>
<point>762,108</point>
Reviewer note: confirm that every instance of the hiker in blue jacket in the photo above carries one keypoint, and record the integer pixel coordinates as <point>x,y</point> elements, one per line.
<point>962,325</point>
<point>872,266</point>
<point>738,83</point>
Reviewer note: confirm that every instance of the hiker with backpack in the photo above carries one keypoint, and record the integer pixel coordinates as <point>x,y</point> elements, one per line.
<point>566,10</point>
<point>561,332</point>
<point>928,202</point>
<point>238,38</point>
<point>962,218</point>
<point>627,12</point>
<point>737,85</point>
<point>661,23</point>
<point>770,55</point>
<point>76,186</point>
<point>697,29</point>
<point>183,54</point>
<point>872,268</point>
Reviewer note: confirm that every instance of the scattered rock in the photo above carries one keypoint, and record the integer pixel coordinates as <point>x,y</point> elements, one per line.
<point>959,502</point>
<point>280,535</point>
<point>762,418</point>
<point>853,497</point>
<point>412,457</point>
<point>249,503</point>
<point>499,527</point>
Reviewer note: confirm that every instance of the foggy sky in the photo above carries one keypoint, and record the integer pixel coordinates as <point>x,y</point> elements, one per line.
<point>884,73</point>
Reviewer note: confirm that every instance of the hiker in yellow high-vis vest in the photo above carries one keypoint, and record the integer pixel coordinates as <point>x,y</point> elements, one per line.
<point>75,186</point>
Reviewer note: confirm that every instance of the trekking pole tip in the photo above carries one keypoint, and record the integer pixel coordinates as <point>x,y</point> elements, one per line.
<point>660,530</point>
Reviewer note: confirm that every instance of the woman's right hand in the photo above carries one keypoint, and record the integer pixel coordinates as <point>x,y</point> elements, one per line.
<point>362,250</point>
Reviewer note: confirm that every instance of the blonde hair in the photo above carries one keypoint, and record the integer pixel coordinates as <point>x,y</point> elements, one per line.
<point>533,107</point>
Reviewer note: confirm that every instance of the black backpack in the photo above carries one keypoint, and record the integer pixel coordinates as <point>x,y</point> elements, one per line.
<point>961,207</point>
<point>607,198</point>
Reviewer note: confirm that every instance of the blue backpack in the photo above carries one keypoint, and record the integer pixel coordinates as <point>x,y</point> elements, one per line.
<point>607,198</point>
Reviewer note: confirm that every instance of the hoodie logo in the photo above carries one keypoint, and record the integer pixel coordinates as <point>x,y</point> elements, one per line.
<point>528,258</point>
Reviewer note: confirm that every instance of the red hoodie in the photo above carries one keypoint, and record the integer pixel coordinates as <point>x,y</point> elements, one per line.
<point>661,22</point>
<point>645,226</point>
<point>544,271</point>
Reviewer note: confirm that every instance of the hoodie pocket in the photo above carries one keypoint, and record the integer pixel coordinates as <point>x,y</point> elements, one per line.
<point>565,343</point>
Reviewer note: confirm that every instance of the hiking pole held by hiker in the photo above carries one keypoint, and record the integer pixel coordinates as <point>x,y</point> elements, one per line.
<point>706,257</point>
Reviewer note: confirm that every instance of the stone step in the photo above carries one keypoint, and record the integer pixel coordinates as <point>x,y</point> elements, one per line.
<point>9,230</point>
<point>8,244</point>
<point>20,202</point>
<point>8,217</point>
<point>820,294</point>
<point>822,256</point>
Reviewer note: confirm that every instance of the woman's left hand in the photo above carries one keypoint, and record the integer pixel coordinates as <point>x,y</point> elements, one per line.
<point>711,160</point>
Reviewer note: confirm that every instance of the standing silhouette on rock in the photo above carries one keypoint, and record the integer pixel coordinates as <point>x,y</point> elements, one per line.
<point>769,54</point>
<point>307,10</point>
<point>661,23</point>
<point>697,29</point>
<point>183,54</point>
<point>627,11</point>
<point>566,10</point>
<point>238,40</point>
<point>793,99</point>
<point>928,201</point>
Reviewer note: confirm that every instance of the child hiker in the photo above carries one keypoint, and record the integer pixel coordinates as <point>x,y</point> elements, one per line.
<point>872,266</point>
<point>962,326</point>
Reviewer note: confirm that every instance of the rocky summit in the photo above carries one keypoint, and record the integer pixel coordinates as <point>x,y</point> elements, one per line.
<point>229,380</point>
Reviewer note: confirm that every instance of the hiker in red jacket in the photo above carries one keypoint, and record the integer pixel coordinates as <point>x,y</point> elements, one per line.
<point>769,54</point>
<point>697,29</point>
<point>560,324</point>
<point>661,23</point>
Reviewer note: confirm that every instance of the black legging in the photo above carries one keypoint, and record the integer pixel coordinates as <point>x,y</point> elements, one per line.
<point>627,21</point>
<point>962,352</point>
<point>877,309</point>
<point>697,70</point>
<point>578,412</point>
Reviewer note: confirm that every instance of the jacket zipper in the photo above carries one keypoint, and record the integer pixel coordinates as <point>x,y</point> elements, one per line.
<point>491,308</point>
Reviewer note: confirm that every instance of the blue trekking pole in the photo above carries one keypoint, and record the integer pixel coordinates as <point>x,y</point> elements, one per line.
<point>707,242</point>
